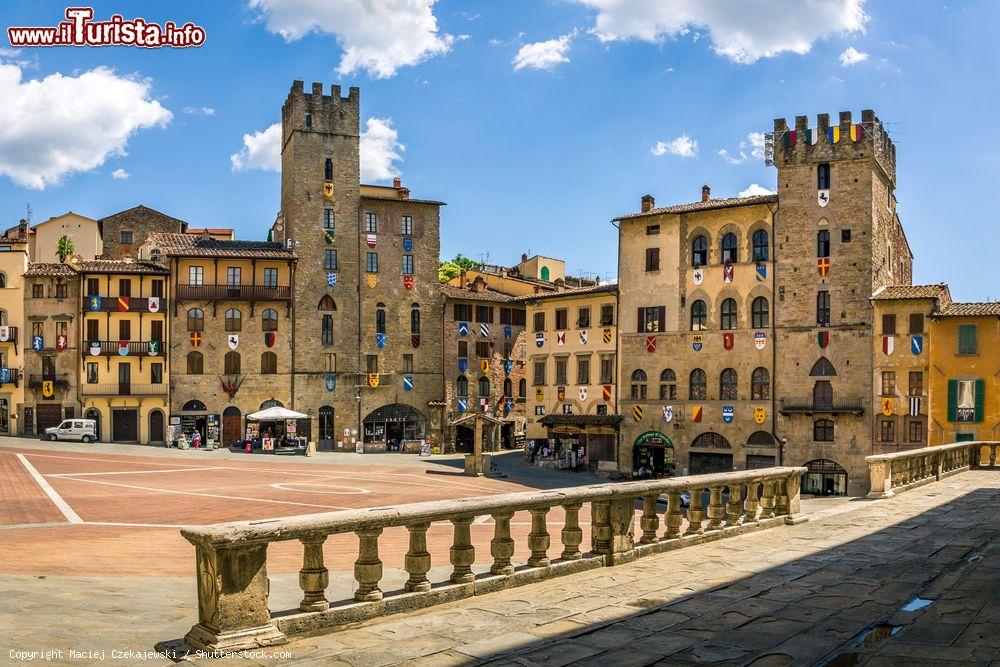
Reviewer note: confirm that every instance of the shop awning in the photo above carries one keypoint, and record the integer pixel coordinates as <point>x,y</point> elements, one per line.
<point>580,420</point>
<point>275,414</point>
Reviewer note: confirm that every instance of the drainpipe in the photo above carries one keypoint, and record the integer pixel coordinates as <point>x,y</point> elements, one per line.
<point>616,384</point>
<point>357,287</point>
<point>774,334</point>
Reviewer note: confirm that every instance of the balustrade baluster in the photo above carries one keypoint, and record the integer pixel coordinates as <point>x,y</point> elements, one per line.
<point>502,546</point>
<point>462,553</point>
<point>673,517</point>
<point>368,567</point>
<point>572,534</point>
<point>751,504</point>
<point>781,497</point>
<point>538,538</point>
<point>313,577</point>
<point>650,521</point>
<point>695,514</point>
<point>993,455</point>
<point>716,510</point>
<point>417,560</point>
<point>734,507</point>
<point>767,501</point>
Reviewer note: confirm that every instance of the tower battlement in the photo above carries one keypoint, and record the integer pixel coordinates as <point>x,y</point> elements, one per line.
<point>843,140</point>
<point>317,112</point>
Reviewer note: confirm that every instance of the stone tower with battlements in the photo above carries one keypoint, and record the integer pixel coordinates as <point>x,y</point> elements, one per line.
<point>837,240</point>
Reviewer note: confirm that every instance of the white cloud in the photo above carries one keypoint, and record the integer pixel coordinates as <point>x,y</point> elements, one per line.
<point>851,56</point>
<point>119,174</point>
<point>380,150</point>
<point>744,31</point>
<point>261,150</point>
<point>199,111</point>
<point>543,55</point>
<point>377,36</point>
<point>682,146</point>
<point>750,148</point>
<point>58,125</point>
<point>753,190</point>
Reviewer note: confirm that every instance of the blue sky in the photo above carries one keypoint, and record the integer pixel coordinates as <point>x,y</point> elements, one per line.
<point>536,158</point>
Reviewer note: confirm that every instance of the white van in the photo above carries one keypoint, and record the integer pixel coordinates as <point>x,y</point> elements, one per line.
<point>84,430</point>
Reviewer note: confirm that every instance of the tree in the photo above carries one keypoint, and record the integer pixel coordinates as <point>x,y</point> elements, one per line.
<point>64,247</point>
<point>448,270</point>
<point>463,262</point>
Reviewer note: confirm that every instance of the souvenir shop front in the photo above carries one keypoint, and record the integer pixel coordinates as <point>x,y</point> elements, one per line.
<point>275,428</point>
<point>194,418</point>
<point>653,455</point>
<point>395,428</point>
<point>576,442</point>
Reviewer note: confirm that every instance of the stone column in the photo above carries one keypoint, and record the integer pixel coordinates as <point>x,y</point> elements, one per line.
<point>695,514</point>
<point>462,553</point>
<point>313,577</point>
<point>368,567</point>
<point>767,501</point>
<point>650,520</point>
<point>751,505</point>
<point>715,508</point>
<point>673,517</point>
<point>572,534</point>
<point>502,546</point>
<point>538,538</point>
<point>880,479</point>
<point>417,560</point>
<point>611,529</point>
<point>232,599</point>
<point>734,508</point>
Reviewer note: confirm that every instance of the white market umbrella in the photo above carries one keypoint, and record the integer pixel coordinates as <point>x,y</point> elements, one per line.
<point>274,414</point>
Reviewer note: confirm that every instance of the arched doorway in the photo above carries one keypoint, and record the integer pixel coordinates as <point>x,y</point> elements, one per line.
<point>271,403</point>
<point>232,426</point>
<point>465,439</point>
<point>760,450</point>
<point>326,429</point>
<point>395,426</point>
<point>194,419</point>
<point>654,452</point>
<point>824,478</point>
<point>156,426</point>
<point>95,414</point>
<point>705,462</point>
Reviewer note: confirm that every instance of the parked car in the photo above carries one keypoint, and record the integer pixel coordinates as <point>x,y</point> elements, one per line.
<point>685,498</point>
<point>84,430</point>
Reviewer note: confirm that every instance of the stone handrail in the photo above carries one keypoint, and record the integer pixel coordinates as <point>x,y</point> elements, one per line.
<point>232,557</point>
<point>894,473</point>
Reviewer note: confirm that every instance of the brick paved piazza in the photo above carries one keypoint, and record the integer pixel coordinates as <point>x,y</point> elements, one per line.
<point>914,579</point>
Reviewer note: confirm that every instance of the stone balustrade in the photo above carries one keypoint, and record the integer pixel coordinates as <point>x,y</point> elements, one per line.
<point>894,473</point>
<point>231,558</point>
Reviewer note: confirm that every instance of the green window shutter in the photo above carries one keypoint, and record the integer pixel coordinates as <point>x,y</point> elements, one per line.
<point>980,399</point>
<point>973,345</point>
<point>952,400</point>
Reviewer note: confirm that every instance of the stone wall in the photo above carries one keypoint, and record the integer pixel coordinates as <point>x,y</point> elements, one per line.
<point>139,221</point>
<point>48,312</point>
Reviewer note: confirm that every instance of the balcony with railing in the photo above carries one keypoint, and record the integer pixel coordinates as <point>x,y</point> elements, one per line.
<point>11,337</point>
<point>124,389</point>
<point>114,348</point>
<point>59,380</point>
<point>124,304</point>
<point>10,376</point>
<point>829,405</point>
<point>234,292</point>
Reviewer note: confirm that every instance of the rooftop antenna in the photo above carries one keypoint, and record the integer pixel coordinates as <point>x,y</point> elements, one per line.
<point>27,211</point>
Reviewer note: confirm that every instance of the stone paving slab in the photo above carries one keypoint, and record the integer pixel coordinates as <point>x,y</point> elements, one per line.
<point>790,595</point>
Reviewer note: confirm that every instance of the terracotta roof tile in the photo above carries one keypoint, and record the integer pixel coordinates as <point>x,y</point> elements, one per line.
<point>610,288</point>
<point>49,269</point>
<point>453,292</point>
<point>198,245</point>
<point>119,266</point>
<point>709,205</point>
<point>913,292</point>
<point>972,309</point>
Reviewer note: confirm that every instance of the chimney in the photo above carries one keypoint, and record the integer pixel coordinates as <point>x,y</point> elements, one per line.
<point>524,257</point>
<point>706,193</point>
<point>648,203</point>
<point>479,285</point>
<point>396,183</point>
<point>461,279</point>
<point>404,193</point>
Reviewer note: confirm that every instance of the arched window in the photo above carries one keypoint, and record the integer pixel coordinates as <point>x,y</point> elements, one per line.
<point>3,280</point>
<point>380,317</point>
<point>822,395</point>
<point>668,385</point>
<point>232,363</point>
<point>823,368</point>
<point>638,392</point>
<point>699,316</point>
<point>234,320</point>
<point>268,363</point>
<point>698,385</point>
<point>269,320</point>
<point>729,254</point>
<point>484,387</point>
<point>195,363</point>
<point>823,430</point>
<point>729,316</point>
<point>462,386</point>
<point>728,385</point>
<point>508,387</point>
<point>699,251</point>
<point>545,273</point>
<point>328,169</point>
<point>760,313</point>
<point>522,387</point>
<point>823,243</point>
<point>327,330</point>
<point>196,319</point>
<point>3,317</point>
<point>761,438</point>
<point>415,318</point>
<point>760,385</point>
<point>327,303</point>
<point>760,245</point>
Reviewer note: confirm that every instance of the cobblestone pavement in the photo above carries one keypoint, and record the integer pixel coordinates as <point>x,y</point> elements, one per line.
<point>790,595</point>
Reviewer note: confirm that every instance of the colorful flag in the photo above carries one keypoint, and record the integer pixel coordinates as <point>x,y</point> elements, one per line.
<point>834,134</point>
<point>728,341</point>
<point>823,266</point>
